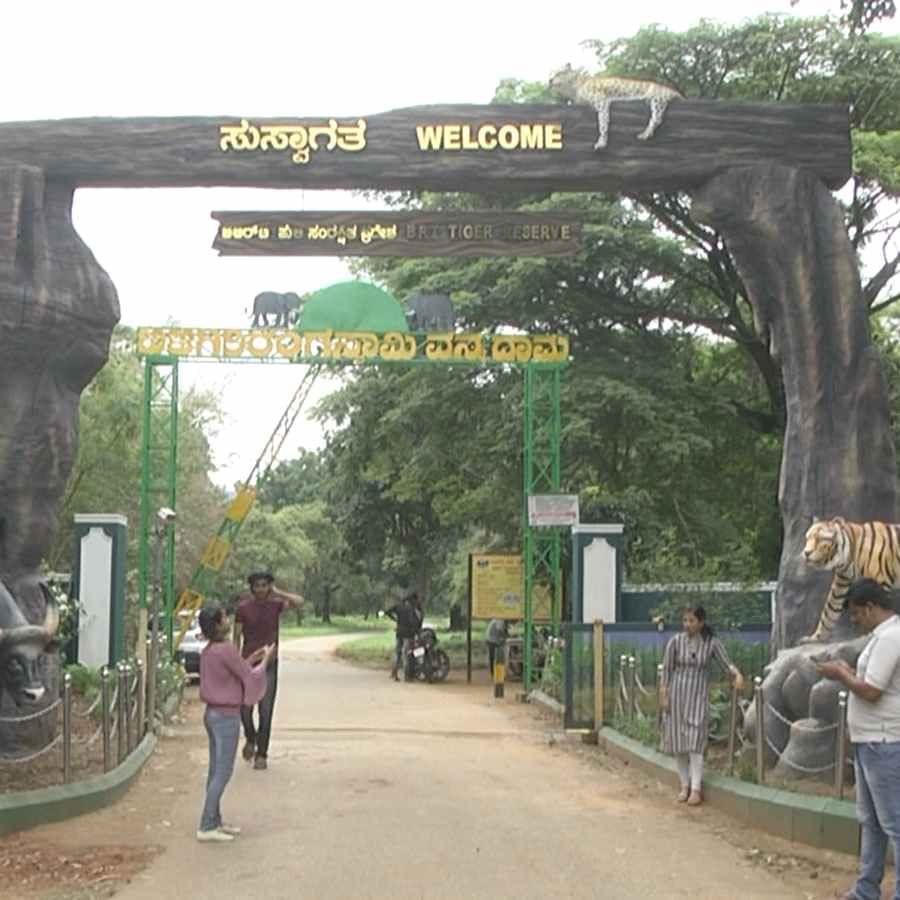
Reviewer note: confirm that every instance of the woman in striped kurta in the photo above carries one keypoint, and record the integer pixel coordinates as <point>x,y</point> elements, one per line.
<point>685,698</point>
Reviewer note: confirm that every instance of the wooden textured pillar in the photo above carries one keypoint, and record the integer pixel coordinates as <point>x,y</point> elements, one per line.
<point>57,311</point>
<point>788,240</point>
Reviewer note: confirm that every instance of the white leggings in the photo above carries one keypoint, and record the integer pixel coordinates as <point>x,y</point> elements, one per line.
<point>690,769</point>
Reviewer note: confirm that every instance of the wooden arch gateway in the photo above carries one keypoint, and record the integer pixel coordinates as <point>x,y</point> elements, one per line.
<point>761,174</point>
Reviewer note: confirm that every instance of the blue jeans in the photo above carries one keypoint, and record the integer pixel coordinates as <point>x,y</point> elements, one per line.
<point>223,731</point>
<point>878,811</point>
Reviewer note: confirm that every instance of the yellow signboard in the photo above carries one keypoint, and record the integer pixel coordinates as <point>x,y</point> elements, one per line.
<point>498,586</point>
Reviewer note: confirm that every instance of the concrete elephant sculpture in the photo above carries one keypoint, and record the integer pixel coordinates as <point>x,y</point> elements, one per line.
<point>430,312</point>
<point>282,305</point>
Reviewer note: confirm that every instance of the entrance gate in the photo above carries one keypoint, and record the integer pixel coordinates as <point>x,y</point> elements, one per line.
<point>759,174</point>
<point>541,358</point>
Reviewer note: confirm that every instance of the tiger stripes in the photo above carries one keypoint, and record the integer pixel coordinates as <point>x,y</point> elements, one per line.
<point>851,550</point>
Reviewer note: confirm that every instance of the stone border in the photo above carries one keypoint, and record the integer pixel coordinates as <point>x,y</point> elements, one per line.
<point>817,821</point>
<point>27,809</point>
<point>548,702</point>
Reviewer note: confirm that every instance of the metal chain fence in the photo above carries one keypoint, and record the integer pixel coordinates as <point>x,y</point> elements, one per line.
<point>121,704</point>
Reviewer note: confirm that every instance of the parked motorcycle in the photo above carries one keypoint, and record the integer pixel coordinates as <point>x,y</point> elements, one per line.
<point>427,661</point>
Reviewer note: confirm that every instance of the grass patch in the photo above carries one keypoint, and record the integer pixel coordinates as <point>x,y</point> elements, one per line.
<point>377,650</point>
<point>337,625</point>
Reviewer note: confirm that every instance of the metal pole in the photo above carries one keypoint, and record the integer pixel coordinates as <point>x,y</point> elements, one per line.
<point>121,710</point>
<point>840,756</point>
<point>732,727</point>
<point>659,709</point>
<point>599,711</point>
<point>632,686</point>
<point>67,728</point>
<point>760,731</point>
<point>153,656</point>
<point>139,693</point>
<point>105,723</point>
<point>623,683</point>
<point>129,721</point>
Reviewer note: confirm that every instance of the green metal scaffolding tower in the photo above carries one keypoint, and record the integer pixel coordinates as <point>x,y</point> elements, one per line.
<point>541,469</point>
<point>159,460</point>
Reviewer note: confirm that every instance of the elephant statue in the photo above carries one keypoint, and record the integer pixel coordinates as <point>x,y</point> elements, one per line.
<point>430,312</point>
<point>282,305</point>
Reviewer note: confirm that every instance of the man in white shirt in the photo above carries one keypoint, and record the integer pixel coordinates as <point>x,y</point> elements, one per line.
<point>873,718</point>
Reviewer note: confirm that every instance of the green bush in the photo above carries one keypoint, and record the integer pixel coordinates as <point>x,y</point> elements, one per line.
<point>171,678</point>
<point>551,682</point>
<point>85,681</point>
<point>639,729</point>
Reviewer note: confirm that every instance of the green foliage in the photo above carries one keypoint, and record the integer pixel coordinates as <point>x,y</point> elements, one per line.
<point>171,679</point>
<point>641,728</point>
<point>552,675</point>
<point>275,540</point>
<point>85,681</point>
<point>876,159</point>
<point>106,474</point>
<point>860,15</point>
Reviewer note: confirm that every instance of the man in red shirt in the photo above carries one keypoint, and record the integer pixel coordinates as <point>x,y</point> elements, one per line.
<point>256,625</point>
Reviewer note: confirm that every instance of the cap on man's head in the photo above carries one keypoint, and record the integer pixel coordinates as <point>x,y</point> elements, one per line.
<point>261,575</point>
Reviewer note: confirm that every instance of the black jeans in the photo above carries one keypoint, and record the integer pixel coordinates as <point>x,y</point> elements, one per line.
<point>266,708</point>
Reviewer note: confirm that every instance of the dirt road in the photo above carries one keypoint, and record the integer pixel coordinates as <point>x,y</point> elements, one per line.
<point>385,790</point>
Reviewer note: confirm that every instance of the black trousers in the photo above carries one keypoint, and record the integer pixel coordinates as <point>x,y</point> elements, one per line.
<point>266,707</point>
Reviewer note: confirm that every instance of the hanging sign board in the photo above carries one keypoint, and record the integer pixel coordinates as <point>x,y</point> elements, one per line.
<point>409,234</point>
<point>548,510</point>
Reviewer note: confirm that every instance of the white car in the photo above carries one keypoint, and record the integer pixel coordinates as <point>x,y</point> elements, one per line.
<point>188,654</point>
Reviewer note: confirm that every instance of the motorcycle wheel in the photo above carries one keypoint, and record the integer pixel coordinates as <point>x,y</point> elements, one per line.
<point>440,665</point>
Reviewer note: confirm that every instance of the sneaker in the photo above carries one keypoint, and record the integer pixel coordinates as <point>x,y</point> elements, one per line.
<point>233,830</point>
<point>249,750</point>
<point>260,763</point>
<point>214,835</point>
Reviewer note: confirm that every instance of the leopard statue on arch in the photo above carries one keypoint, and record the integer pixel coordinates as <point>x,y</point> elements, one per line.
<point>599,91</point>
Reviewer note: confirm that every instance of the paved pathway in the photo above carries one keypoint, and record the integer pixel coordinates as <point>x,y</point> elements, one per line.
<point>384,790</point>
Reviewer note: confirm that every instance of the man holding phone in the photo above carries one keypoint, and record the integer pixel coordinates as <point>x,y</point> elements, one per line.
<point>256,625</point>
<point>873,718</point>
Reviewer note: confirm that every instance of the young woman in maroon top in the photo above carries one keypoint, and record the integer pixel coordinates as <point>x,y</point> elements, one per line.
<point>256,625</point>
<point>227,681</point>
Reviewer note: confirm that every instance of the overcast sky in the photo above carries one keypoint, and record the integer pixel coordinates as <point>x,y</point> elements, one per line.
<point>252,60</point>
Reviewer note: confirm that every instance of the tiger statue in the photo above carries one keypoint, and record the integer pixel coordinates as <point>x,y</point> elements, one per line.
<point>600,91</point>
<point>852,550</point>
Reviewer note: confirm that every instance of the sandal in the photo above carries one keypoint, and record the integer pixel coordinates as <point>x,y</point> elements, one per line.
<point>683,794</point>
<point>695,799</point>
